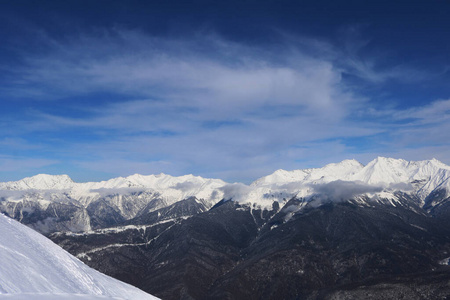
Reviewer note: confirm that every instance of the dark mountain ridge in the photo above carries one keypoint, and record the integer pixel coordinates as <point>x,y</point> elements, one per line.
<point>234,251</point>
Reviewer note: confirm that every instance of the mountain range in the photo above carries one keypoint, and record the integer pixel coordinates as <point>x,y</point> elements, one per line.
<point>343,231</point>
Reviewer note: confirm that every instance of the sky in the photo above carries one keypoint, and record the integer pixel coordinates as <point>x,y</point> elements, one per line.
<point>221,89</point>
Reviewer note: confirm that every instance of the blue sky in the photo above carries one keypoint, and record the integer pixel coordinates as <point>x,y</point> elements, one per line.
<point>223,89</point>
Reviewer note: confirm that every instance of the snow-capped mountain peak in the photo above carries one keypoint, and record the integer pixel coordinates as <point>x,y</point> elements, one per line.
<point>417,177</point>
<point>125,197</point>
<point>133,195</point>
<point>171,188</point>
<point>428,174</point>
<point>327,173</point>
<point>40,182</point>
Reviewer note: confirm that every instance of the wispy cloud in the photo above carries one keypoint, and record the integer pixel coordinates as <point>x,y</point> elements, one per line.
<point>24,164</point>
<point>203,105</point>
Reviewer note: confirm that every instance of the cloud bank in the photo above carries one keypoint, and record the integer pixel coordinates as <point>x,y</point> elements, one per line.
<point>339,190</point>
<point>235,191</point>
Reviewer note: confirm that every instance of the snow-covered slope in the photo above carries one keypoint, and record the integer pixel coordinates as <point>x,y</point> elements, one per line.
<point>328,173</point>
<point>51,203</point>
<point>83,206</point>
<point>170,188</point>
<point>388,171</point>
<point>380,171</point>
<point>40,182</point>
<point>379,178</point>
<point>33,267</point>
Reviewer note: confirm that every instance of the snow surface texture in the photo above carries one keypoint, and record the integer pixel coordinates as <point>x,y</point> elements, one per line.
<point>378,179</point>
<point>33,267</point>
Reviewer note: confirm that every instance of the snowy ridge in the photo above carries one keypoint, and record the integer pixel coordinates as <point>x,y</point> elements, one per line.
<point>33,266</point>
<point>423,176</point>
<point>283,185</point>
<point>418,178</point>
<point>40,182</point>
<point>328,173</point>
<point>56,203</point>
<point>62,182</point>
<point>379,179</point>
<point>168,188</point>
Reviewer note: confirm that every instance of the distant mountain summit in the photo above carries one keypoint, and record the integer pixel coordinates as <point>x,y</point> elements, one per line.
<point>40,182</point>
<point>382,177</point>
<point>380,171</point>
<point>51,203</point>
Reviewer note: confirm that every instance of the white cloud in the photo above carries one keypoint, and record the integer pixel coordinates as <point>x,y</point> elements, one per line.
<point>435,112</point>
<point>212,107</point>
<point>341,190</point>
<point>236,191</point>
